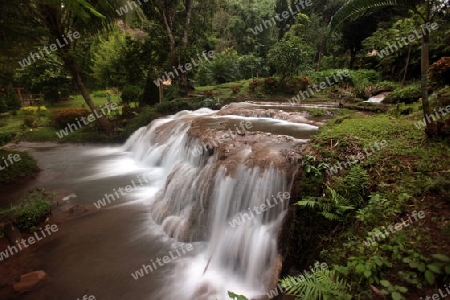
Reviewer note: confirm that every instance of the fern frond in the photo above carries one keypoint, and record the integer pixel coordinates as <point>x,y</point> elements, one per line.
<point>320,285</point>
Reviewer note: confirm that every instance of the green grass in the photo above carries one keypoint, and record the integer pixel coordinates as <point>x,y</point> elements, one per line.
<point>410,173</point>
<point>12,124</point>
<point>79,102</point>
<point>30,211</point>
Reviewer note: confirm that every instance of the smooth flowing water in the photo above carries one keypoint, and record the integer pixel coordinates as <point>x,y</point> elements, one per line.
<point>154,197</point>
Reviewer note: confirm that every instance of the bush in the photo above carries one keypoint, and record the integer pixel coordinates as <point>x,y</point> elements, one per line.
<point>322,76</point>
<point>357,78</point>
<point>271,85</point>
<point>253,85</point>
<point>209,93</point>
<point>9,100</point>
<point>26,166</point>
<point>235,89</point>
<point>99,94</point>
<point>31,210</point>
<point>407,95</point>
<point>6,137</point>
<point>439,73</point>
<point>131,93</point>
<point>212,103</point>
<point>363,76</point>
<point>223,68</point>
<point>30,122</point>
<point>295,85</point>
<point>34,108</point>
<point>61,118</point>
<point>171,107</point>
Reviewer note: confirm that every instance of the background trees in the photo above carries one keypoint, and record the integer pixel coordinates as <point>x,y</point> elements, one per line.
<point>134,49</point>
<point>426,10</point>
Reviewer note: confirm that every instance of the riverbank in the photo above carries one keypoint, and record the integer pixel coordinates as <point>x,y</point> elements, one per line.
<point>345,209</point>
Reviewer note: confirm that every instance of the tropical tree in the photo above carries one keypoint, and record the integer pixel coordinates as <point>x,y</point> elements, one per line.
<point>289,56</point>
<point>425,9</point>
<point>77,18</point>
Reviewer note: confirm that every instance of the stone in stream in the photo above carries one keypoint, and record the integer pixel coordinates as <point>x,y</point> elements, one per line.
<point>31,281</point>
<point>11,232</point>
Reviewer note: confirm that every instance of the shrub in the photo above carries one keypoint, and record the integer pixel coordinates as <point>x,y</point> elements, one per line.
<point>26,166</point>
<point>213,103</point>
<point>60,118</point>
<point>30,122</point>
<point>304,83</point>
<point>31,210</point>
<point>99,94</point>
<point>131,93</point>
<point>322,76</point>
<point>406,95</point>
<point>9,100</point>
<point>270,85</point>
<point>34,108</point>
<point>224,67</point>
<point>363,76</point>
<point>209,93</point>
<point>253,85</point>
<point>235,89</point>
<point>171,107</point>
<point>359,79</point>
<point>295,85</point>
<point>6,137</point>
<point>439,73</point>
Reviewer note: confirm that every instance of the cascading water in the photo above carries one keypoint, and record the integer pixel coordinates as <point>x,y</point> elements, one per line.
<point>229,206</point>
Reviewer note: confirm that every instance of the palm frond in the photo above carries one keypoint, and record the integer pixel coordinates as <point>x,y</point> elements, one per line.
<point>354,7</point>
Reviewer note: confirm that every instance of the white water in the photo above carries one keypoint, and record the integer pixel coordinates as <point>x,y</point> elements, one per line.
<point>377,99</point>
<point>193,199</point>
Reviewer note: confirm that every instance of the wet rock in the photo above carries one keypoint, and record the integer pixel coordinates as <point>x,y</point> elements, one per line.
<point>204,292</point>
<point>31,281</point>
<point>11,232</point>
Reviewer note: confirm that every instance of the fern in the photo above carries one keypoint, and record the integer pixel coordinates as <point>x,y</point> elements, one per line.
<point>321,285</point>
<point>355,184</point>
<point>333,208</point>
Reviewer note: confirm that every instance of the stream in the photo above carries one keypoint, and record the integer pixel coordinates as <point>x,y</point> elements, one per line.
<point>174,206</point>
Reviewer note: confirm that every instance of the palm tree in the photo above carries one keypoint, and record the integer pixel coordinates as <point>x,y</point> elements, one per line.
<point>59,17</point>
<point>356,8</point>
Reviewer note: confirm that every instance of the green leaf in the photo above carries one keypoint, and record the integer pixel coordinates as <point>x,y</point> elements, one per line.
<point>396,296</point>
<point>360,268</point>
<point>367,273</point>
<point>236,297</point>
<point>447,269</point>
<point>385,283</point>
<point>435,267</point>
<point>441,257</point>
<point>421,267</point>
<point>429,276</point>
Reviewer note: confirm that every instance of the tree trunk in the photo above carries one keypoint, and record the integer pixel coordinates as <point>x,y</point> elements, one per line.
<point>431,128</point>
<point>352,58</point>
<point>319,59</point>
<point>105,125</point>
<point>406,66</point>
<point>183,84</point>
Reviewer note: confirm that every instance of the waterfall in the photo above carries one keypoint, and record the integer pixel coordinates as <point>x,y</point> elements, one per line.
<point>230,208</point>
